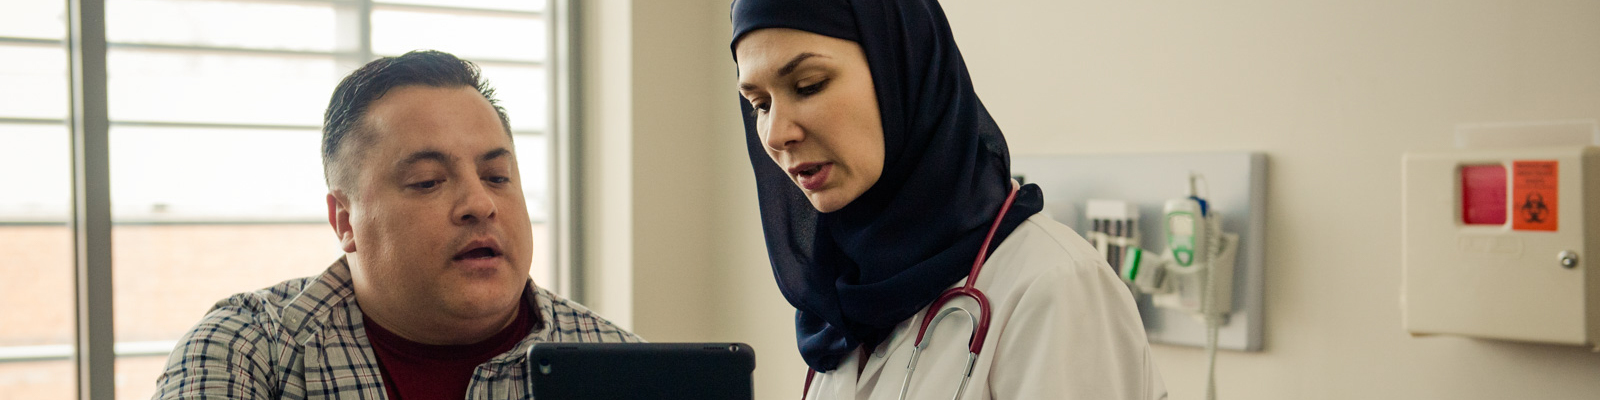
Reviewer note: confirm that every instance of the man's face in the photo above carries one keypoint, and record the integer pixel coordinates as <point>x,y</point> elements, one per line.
<point>437,218</point>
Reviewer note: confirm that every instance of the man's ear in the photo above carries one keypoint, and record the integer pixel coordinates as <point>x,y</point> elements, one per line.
<point>339,218</point>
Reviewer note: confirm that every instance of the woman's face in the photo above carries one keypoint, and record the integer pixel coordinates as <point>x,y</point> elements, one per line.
<point>816,111</point>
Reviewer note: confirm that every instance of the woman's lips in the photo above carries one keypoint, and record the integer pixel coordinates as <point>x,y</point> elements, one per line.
<point>814,180</point>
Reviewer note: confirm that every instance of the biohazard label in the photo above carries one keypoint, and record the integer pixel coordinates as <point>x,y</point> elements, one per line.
<point>1534,190</point>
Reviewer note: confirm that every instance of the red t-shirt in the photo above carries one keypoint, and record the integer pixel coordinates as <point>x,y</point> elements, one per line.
<point>416,371</point>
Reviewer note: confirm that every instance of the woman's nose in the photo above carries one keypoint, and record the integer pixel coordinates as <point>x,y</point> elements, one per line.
<point>783,130</point>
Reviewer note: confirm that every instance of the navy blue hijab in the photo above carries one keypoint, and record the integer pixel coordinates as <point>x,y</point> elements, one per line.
<point>855,273</point>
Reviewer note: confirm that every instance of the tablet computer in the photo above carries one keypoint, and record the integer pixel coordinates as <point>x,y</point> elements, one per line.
<point>621,371</point>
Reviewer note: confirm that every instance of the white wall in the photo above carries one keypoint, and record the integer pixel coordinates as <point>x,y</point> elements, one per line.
<point>1333,91</point>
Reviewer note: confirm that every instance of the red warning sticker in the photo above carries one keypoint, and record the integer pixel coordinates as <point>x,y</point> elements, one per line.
<point>1534,190</point>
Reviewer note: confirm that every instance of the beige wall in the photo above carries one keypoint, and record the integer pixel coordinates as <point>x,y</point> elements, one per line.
<point>673,241</point>
<point>1333,91</point>
<point>645,172</point>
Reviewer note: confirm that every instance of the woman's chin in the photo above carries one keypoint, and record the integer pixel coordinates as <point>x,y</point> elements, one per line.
<point>827,201</point>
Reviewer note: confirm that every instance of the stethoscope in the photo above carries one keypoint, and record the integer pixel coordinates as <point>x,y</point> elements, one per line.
<point>930,320</point>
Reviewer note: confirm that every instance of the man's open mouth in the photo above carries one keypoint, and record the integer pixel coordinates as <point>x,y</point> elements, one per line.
<point>478,252</point>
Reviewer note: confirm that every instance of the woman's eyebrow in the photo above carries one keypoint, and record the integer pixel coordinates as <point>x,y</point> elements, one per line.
<point>795,62</point>
<point>788,68</point>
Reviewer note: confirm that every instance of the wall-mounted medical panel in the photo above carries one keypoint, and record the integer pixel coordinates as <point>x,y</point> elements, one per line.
<point>1235,186</point>
<point>1498,243</point>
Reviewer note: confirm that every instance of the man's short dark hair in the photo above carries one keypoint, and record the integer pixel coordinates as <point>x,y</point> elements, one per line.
<point>343,124</point>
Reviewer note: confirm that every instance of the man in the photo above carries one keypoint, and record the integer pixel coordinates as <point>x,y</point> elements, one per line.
<point>432,298</point>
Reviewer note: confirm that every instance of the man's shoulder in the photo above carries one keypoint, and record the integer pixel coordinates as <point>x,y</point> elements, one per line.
<point>268,298</point>
<point>257,340</point>
<point>567,321</point>
<point>292,305</point>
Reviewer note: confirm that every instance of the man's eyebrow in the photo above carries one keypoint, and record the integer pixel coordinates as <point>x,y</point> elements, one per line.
<point>493,154</point>
<point>426,155</point>
<point>788,68</point>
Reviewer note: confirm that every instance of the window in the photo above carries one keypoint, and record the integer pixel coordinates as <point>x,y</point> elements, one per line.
<point>216,180</point>
<point>35,243</point>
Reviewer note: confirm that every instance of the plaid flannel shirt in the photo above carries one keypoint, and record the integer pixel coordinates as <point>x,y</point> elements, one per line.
<point>303,339</point>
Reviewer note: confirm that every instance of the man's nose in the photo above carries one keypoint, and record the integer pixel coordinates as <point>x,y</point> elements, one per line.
<point>476,204</point>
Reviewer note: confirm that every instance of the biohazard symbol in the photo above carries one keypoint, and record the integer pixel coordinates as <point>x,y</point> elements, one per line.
<point>1533,209</point>
<point>1536,194</point>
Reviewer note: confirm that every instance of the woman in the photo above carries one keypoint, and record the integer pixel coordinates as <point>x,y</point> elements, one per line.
<point>881,178</point>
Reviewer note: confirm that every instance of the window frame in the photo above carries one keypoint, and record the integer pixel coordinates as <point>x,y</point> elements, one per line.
<point>93,351</point>
<point>353,49</point>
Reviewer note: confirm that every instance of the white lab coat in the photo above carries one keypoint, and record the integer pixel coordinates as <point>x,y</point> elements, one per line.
<point>1063,327</point>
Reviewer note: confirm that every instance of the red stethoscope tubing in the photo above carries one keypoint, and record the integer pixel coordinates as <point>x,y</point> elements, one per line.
<point>974,345</point>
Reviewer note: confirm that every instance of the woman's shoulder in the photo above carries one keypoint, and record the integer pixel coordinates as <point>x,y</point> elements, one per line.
<point>1043,249</point>
<point>1043,239</point>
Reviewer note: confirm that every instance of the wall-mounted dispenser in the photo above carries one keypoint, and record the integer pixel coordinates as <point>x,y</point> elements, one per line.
<point>1501,243</point>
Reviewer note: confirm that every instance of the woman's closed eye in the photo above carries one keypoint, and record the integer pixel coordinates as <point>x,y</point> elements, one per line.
<point>808,90</point>
<point>758,107</point>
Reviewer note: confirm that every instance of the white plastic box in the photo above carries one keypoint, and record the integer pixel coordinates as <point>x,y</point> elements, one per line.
<point>1522,271</point>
